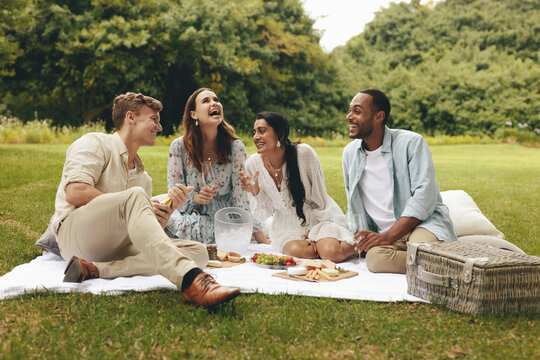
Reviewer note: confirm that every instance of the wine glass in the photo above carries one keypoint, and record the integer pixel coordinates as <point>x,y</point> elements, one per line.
<point>254,181</point>
<point>208,178</point>
<point>353,222</point>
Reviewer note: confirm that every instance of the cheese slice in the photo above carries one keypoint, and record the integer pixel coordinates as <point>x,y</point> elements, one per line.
<point>214,263</point>
<point>297,270</point>
<point>330,272</point>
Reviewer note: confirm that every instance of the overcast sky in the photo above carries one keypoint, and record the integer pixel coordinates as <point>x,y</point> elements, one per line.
<point>342,19</point>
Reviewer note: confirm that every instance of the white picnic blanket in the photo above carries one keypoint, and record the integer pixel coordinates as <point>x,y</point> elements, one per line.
<point>46,273</point>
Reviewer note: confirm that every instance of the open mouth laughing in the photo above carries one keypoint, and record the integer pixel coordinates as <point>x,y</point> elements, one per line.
<point>215,113</point>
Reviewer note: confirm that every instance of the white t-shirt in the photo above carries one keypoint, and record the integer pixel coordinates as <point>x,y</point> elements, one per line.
<point>376,192</point>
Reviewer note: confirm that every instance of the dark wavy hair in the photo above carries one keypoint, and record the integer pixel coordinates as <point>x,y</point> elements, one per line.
<point>280,124</point>
<point>193,138</point>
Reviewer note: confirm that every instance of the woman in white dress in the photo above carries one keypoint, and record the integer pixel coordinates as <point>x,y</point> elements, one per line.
<point>286,181</point>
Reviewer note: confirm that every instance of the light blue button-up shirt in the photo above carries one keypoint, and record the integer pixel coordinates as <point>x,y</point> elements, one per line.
<point>412,179</point>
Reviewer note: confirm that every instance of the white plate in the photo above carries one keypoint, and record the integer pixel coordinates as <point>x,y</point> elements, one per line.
<point>275,267</point>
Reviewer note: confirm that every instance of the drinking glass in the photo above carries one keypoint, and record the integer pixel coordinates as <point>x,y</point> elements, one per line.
<point>353,221</point>
<point>254,181</point>
<point>208,178</point>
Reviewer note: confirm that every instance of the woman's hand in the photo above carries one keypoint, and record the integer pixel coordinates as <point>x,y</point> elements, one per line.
<point>250,184</point>
<point>205,196</point>
<point>261,239</point>
<point>179,194</point>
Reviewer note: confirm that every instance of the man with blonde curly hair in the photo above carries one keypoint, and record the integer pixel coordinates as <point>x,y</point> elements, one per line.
<point>105,223</point>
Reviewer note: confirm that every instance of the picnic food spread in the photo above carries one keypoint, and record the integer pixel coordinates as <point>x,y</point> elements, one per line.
<point>317,268</point>
<point>230,256</point>
<point>226,260</point>
<point>276,260</point>
<point>315,271</point>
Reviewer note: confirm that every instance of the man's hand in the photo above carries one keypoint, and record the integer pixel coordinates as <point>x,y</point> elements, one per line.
<point>368,239</point>
<point>204,196</point>
<point>162,212</point>
<point>179,194</point>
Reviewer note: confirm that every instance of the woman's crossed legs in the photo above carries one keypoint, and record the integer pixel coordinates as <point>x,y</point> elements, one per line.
<point>327,249</point>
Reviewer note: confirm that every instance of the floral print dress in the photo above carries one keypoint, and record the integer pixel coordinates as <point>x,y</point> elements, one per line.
<point>196,222</point>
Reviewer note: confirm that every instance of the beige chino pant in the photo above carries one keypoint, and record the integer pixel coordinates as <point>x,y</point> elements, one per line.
<point>391,258</point>
<point>120,235</point>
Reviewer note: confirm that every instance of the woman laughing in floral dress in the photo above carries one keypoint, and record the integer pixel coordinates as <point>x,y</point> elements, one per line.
<point>209,145</point>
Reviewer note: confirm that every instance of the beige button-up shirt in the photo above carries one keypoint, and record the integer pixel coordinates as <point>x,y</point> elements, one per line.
<point>100,160</point>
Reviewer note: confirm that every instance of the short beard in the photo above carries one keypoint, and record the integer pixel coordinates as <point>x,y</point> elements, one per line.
<point>362,134</point>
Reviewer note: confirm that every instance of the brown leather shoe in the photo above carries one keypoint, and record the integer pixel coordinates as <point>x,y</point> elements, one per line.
<point>78,270</point>
<point>205,291</point>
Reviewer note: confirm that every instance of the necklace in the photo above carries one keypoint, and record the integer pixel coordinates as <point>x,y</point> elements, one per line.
<point>276,172</point>
<point>209,154</point>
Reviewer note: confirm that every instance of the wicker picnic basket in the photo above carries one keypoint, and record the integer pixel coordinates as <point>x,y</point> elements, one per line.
<point>474,278</point>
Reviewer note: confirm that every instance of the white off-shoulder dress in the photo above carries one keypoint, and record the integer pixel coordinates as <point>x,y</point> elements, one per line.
<point>324,217</point>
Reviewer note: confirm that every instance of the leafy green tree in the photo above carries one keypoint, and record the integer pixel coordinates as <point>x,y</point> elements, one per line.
<point>455,67</point>
<point>257,55</point>
<point>13,16</point>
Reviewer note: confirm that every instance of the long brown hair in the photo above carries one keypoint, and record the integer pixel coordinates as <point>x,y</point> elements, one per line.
<point>193,138</point>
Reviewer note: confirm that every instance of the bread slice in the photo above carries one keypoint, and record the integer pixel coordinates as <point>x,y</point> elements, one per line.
<point>221,255</point>
<point>233,257</point>
<point>312,264</point>
<point>328,264</point>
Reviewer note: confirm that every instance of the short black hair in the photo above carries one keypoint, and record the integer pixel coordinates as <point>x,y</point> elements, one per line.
<point>380,101</point>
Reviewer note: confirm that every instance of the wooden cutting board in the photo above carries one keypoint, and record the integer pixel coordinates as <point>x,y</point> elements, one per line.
<point>341,276</point>
<point>226,264</point>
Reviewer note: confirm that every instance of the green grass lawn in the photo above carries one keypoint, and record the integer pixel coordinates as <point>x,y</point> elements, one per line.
<point>502,179</point>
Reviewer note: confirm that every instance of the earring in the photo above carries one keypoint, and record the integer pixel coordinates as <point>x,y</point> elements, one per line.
<point>278,144</point>
<point>196,122</point>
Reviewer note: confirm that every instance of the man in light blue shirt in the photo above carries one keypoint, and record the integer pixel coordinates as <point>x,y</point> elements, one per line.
<point>392,191</point>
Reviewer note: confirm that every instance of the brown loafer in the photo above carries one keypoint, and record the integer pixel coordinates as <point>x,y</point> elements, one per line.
<point>205,291</point>
<point>78,270</point>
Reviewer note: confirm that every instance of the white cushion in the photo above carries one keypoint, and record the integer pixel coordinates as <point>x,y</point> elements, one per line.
<point>466,216</point>
<point>492,241</point>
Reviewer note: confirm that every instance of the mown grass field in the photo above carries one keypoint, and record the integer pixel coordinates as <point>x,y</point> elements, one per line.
<point>503,180</point>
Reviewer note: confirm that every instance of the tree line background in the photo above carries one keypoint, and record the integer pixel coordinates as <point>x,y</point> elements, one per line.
<point>453,67</point>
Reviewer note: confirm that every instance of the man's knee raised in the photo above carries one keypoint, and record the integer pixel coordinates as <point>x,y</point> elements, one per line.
<point>136,194</point>
<point>137,191</point>
<point>373,259</point>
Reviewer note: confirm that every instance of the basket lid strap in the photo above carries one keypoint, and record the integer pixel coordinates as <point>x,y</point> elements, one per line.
<point>466,274</point>
<point>412,250</point>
